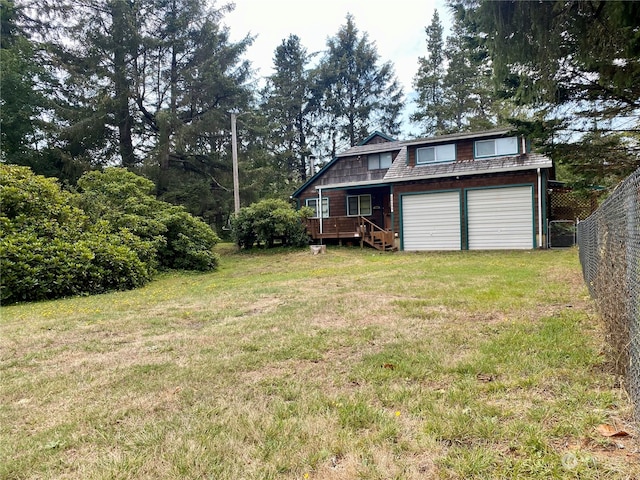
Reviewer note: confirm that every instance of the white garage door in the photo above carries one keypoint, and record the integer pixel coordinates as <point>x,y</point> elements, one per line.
<point>431,221</point>
<point>500,218</point>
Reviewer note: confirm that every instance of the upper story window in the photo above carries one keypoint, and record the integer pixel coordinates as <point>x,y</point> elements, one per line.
<point>358,205</point>
<point>379,160</point>
<point>496,147</point>
<point>436,154</point>
<point>313,203</point>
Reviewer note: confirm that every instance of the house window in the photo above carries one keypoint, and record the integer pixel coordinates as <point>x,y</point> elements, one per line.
<point>358,205</point>
<point>379,160</point>
<point>313,203</point>
<point>436,154</point>
<point>497,147</point>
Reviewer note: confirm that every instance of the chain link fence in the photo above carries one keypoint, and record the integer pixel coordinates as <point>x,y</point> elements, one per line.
<point>609,244</point>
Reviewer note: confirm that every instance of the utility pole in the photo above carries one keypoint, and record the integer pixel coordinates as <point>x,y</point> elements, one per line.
<point>234,156</point>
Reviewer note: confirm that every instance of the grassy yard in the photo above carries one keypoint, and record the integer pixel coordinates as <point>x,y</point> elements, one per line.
<point>348,365</point>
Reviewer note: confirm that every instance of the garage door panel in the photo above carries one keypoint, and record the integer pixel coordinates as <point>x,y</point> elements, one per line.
<point>500,218</point>
<point>431,221</point>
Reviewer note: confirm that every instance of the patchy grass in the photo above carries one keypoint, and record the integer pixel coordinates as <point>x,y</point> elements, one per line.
<point>348,365</point>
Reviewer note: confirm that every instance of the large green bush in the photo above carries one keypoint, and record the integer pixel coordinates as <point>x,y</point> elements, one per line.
<point>125,201</point>
<point>49,248</point>
<point>110,236</point>
<point>266,221</point>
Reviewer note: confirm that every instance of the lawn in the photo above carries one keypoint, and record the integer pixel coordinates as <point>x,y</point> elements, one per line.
<point>287,365</point>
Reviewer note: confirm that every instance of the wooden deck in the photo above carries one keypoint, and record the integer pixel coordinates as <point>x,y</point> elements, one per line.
<point>356,229</point>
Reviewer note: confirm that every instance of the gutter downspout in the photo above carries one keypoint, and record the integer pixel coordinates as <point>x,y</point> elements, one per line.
<point>321,213</point>
<point>540,244</point>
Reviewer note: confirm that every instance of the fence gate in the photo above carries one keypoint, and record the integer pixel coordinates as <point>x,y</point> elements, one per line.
<point>561,234</point>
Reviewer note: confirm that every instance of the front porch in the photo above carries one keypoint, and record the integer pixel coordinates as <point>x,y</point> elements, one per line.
<point>351,229</point>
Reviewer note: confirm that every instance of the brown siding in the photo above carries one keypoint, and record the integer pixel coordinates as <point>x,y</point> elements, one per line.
<point>453,183</point>
<point>337,201</point>
<point>377,139</point>
<point>464,150</point>
<point>349,169</point>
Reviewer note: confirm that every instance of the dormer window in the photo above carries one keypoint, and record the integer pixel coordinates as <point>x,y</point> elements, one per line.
<point>496,147</point>
<point>379,161</point>
<point>436,154</point>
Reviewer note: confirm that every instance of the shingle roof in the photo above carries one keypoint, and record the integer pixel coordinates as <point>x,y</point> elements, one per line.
<point>372,148</point>
<point>457,136</point>
<point>400,169</point>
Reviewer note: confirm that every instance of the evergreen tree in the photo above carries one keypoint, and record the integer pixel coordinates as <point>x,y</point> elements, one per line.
<point>574,64</point>
<point>24,83</point>
<point>467,102</point>
<point>358,95</point>
<point>188,77</point>
<point>148,84</point>
<point>286,102</point>
<point>428,82</point>
<point>453,82</point>
<point>94,44</point>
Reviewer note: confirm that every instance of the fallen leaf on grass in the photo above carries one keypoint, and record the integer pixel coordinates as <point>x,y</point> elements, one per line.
<point>390,366</point>
<point>609,431</point>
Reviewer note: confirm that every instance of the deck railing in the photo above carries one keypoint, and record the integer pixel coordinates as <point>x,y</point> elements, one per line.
<point>334,227</point>
<point>350,228</point>
<point>374,235</point>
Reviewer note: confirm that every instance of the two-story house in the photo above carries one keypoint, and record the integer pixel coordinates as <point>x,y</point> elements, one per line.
<point>475,191</point>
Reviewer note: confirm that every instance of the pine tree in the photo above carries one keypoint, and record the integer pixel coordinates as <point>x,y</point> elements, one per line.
<point>428,82</point>
<point>358,95</point>
<point>453,82</point>
<point>574,65</point>
<point>286,102</point>
<point>189,76</point>
<point>21,96</point>
<point>468,102</point>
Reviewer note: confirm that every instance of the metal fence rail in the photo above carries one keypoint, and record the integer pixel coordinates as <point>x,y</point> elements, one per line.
<point>609,243</point>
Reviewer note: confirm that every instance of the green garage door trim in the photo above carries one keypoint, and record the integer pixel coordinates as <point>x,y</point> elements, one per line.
<point>500,218</point>
<point>431,221</point>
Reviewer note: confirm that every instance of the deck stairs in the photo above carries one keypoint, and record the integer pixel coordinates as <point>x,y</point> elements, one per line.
<point>375,236</point>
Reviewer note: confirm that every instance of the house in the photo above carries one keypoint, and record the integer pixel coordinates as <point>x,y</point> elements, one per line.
<point>467,191</point>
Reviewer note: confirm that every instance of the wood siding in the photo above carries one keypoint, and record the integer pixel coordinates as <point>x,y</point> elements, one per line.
<point>480,181</point>
<point>464,150</point>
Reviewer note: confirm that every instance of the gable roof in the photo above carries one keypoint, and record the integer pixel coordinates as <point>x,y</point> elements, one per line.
<point>371,148</point>
<point>314,177</point>
<point>361,149</point>
<point>400,171</point>
<point>375,134</point>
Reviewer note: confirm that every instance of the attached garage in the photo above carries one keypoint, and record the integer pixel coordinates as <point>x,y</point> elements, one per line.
<point>500,218</point>
<point>431,221</point>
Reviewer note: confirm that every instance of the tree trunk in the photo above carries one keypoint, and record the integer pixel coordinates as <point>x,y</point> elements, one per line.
<point>122,88</point>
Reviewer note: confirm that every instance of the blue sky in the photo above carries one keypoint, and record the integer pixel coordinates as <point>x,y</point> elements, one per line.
<point>396,27</point>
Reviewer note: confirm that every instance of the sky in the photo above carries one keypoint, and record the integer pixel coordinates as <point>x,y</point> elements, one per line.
<point>396,27</point>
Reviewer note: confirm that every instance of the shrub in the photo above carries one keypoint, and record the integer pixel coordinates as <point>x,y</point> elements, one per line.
<point>37,268</point>
<point>266,221</point>
<point>50,249</point>
<point>125,201</point>
<point>189,242</point>
<point>112,236</point>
